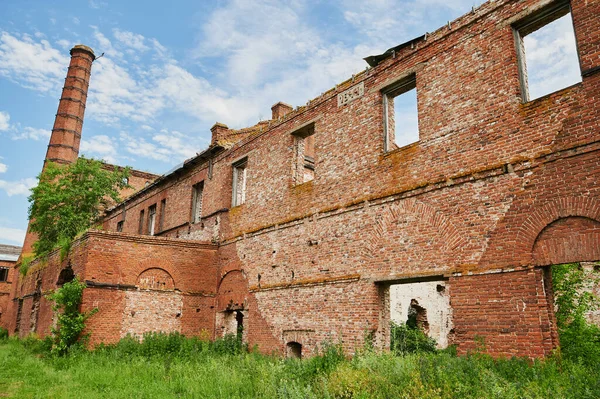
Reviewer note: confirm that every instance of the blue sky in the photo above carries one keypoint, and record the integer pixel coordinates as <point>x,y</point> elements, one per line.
<point>173,69</point>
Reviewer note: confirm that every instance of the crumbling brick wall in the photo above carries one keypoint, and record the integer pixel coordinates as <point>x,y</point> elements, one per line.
<point>493,192</point>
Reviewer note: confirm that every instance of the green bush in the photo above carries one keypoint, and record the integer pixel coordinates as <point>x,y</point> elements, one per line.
<point>405,339</point>
<point>174,345</point>
<point>70,321</point>
<point>3,334</point>
<point>161,368</point>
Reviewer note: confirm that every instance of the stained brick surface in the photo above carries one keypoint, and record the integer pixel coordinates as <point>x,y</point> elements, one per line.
<point>494,191</point>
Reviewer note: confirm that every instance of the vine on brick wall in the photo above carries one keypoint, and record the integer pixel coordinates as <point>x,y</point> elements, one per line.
<point>579,339</point>
<point>71,321</point>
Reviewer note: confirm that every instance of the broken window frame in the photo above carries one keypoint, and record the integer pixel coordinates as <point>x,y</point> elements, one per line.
<point>4,271</point>
<point>389,93</point>
<point>302,161</point>
<point>152,220</point>
<point>240,171</point>
<point>197,193</point>
<point>530,24</point>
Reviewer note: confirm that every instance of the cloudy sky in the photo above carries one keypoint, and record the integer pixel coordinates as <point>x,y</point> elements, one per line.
<point>172,69</point>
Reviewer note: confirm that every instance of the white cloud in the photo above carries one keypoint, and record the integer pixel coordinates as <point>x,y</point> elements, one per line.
<point>4,121</point>
<point>34,65</point>
<point>75,20</point>
<point>101,146</point>
<point>95,4</point>
<point>65,44</point>
<point>166,146</point>
<point>129,39</point>
<point>18,133</point>
<point>16,236</point>
<point>20,187</point>
<point>3,168</point>
<point>30,133</point>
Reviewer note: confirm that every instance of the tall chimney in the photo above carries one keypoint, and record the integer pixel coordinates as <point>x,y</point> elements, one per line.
<point>66,133</point>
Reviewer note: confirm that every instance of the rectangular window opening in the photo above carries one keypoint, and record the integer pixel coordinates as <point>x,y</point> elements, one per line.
<point>151,219</point>
<point>401,115</point>
<point>3,274</point>
<point>547,51</point>
<point>141,224</point>
<point>120,226</point>
<point>304,154</point>
<point>197,191</point>
<point>240,176</point>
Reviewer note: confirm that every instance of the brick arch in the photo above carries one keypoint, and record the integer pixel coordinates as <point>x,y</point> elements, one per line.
<point>567,240</point>
<point>447,234</point>
<point>155,278</point>
<point>232,291</point>
<point>543,216</point>
<point>171,270</point>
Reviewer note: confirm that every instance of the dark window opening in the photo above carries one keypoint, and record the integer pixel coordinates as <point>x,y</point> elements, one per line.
<point>151,219</point>
<point>401,116</point>
<point>141,224</point>
<point>239,320</point>
<point>417,317</point>
<point>3,274</point>
<point>304,154</point>
<point>120,226</point>
<point>197,191</point>
<point>294,350</point>
<point>547,51</point>
<point>66,276</point>
<point>240,176</point>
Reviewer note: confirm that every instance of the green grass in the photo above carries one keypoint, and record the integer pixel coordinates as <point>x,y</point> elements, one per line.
<point>176,367</point>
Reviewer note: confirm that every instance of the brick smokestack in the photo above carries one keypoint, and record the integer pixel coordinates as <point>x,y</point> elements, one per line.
<point>66,133</point>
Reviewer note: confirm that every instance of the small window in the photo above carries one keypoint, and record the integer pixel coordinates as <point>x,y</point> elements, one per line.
<point>141,225</point>
<point>151,219</point>
<point>240,175</point>
<point>163,207</point>
<point>197,191</point>
<point>547,51</point>
<point>401,117</point>
<point>304,154</point>
<point>120,226</point>
<point>3,274</point>
<point>294,350</point>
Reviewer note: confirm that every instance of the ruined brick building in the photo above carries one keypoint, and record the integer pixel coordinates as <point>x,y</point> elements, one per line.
<point>315,225</point>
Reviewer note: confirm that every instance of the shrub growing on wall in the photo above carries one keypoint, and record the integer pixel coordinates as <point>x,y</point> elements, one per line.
<point>70,321</point>
<point>579,339</point>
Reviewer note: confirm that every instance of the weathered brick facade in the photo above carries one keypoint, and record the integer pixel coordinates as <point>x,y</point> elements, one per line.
<point>494,191</point>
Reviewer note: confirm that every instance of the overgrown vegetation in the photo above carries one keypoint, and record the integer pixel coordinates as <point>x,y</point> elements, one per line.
<point>68,199</point>
<point>172,366</point>
<point>408,338</point>
<point>70,321</point>
<point>579,339</point>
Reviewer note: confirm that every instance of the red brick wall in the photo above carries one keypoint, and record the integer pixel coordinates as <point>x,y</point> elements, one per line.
<point>507,314</point>
<point>117,268</point>
<point>6,288</point>
<point>493,187</point>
